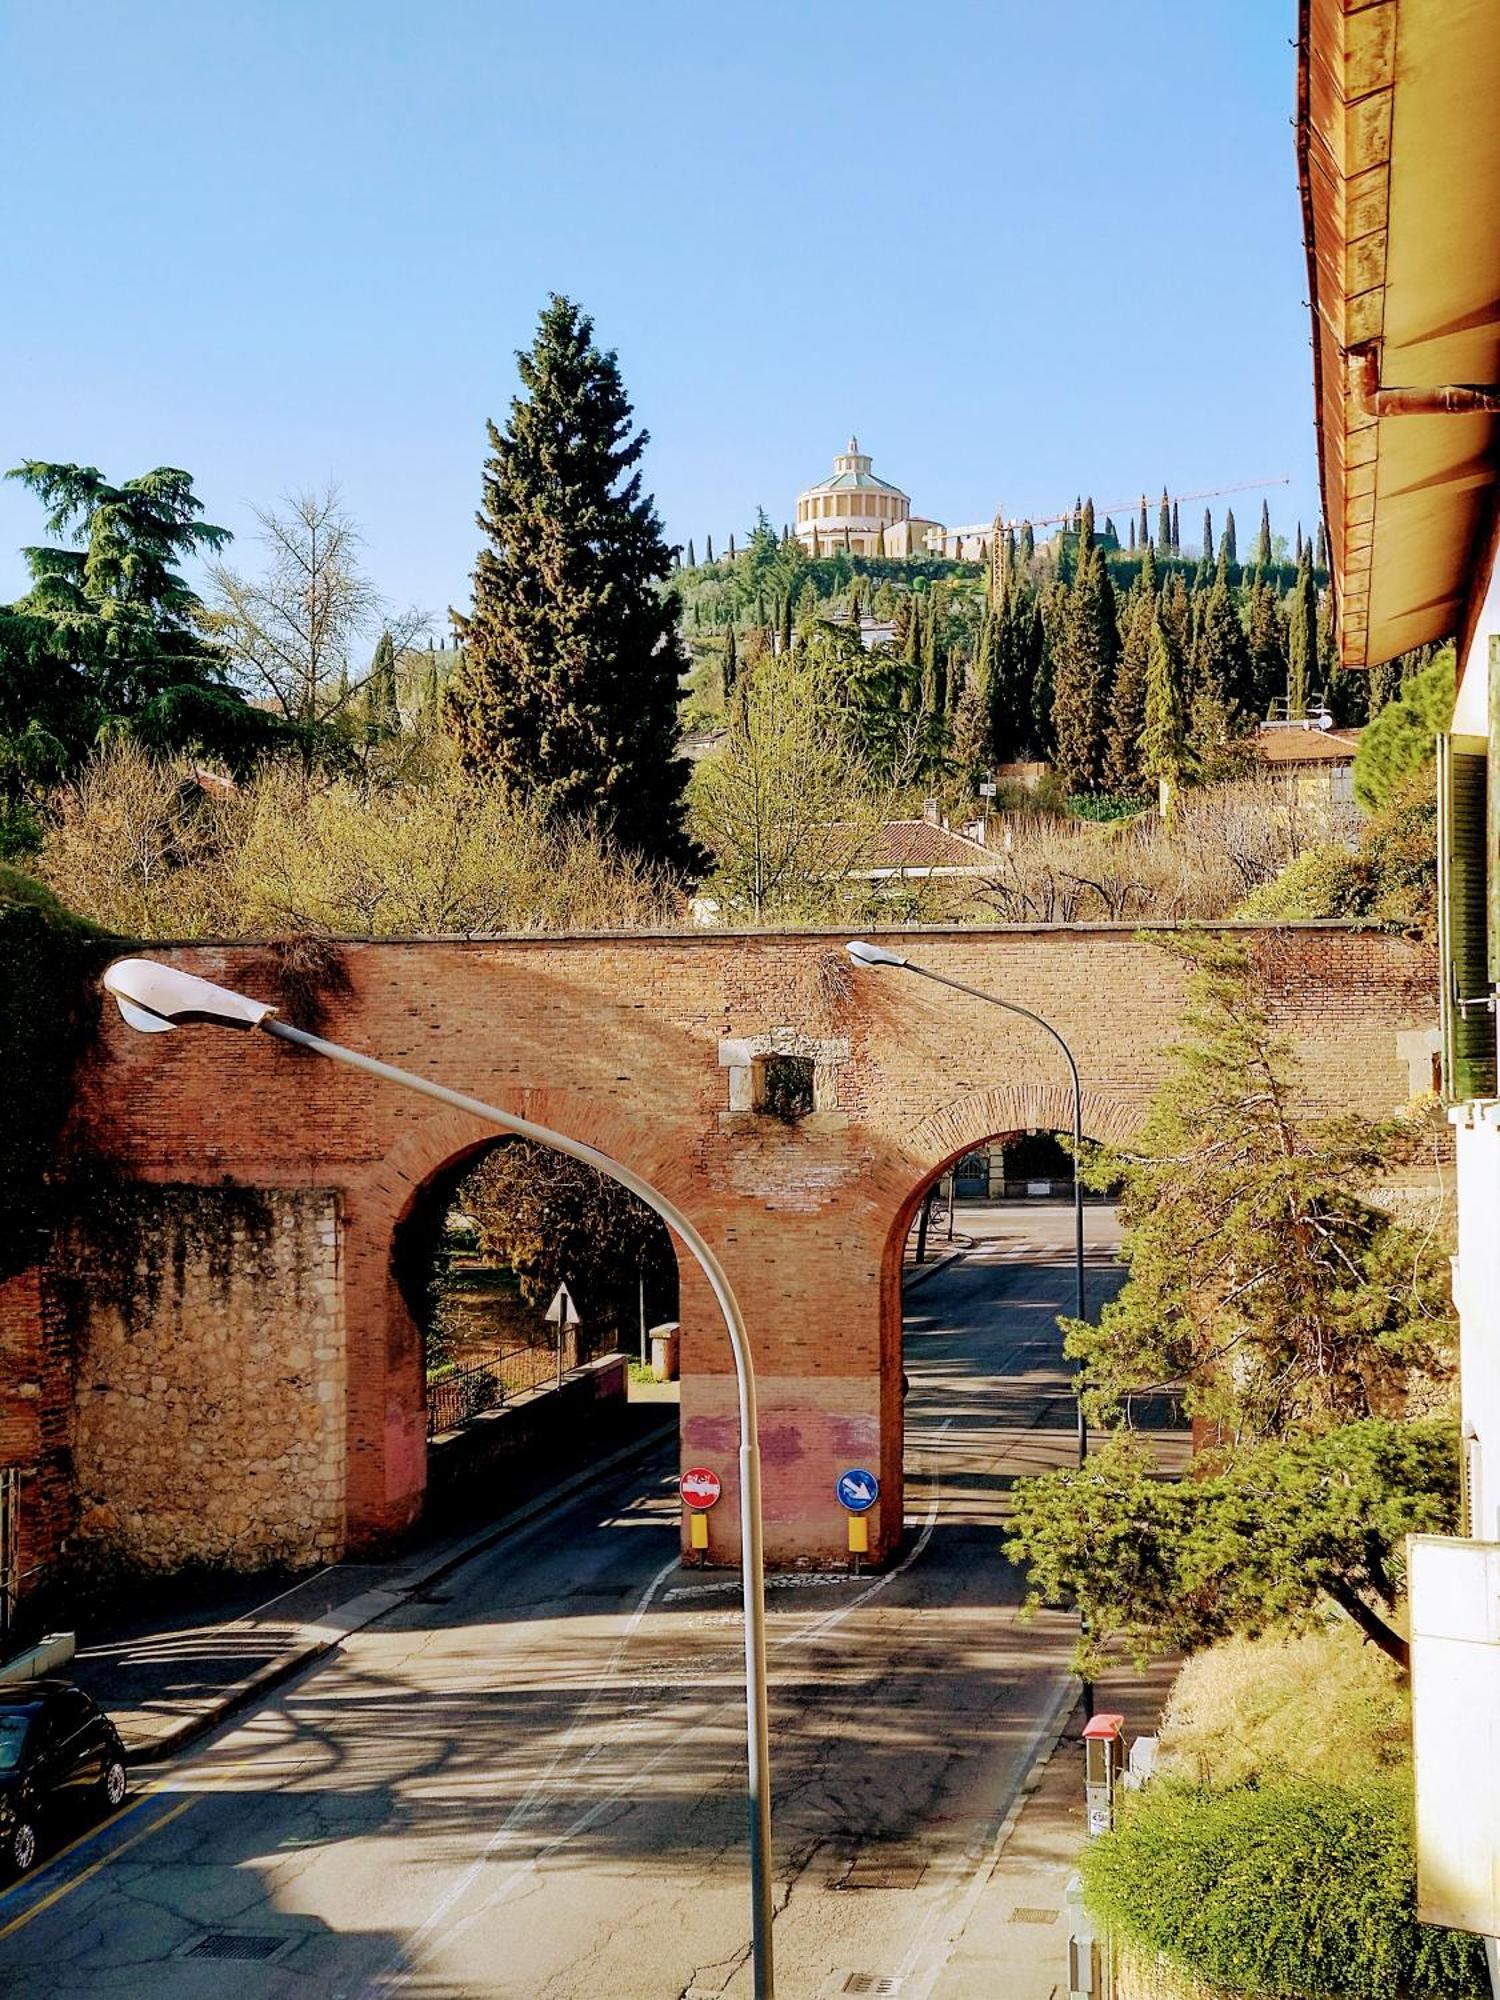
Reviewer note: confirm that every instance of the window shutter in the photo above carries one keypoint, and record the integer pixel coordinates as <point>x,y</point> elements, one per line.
<point>1463,919</point>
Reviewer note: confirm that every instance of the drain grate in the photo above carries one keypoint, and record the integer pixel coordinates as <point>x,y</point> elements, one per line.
<point>876,1872</point>
<point>1025,1915</point>
<point>243,1945</point>
<point>879,1983</point>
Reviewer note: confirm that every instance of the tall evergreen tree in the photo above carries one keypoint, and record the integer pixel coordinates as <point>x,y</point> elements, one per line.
<point>1163,522</point>
<point>1230,550</point>
<point>1142,532</point>
<point>1320,561</point>
<point>708,549</point>
<point>1127,714</point>
<point>1132,534</point>
<point>692,560</point>
<point>786,622</point>
<point>1208,536</point>
<point>731,666</point>
<point>1027,549</point>
<point>1263,543</point>
<point>911,649</point>
<point>934,661</point>
<point>1302,637</point>
<point>1176,532</point>
<point>1223,690</point>
<point>568,685</point>
<point>1265,639</point>
<point>1164,753</point>
<point>1084,669</point>
<point>382,711</point>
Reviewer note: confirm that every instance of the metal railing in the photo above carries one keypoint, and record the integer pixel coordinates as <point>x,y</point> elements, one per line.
<point>466,1393</point>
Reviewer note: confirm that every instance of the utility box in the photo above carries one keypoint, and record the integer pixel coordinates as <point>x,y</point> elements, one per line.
<point>1085,1948</point>
<point>1103,1762</point>
<point>665,1346</point>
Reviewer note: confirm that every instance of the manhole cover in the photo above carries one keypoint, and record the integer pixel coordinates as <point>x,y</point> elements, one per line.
<point>872,1982</point>
<point>242,1945</point>
<point>1029,1916</point>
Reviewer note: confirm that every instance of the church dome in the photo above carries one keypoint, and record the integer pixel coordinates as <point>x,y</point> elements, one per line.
<point>852,508</point>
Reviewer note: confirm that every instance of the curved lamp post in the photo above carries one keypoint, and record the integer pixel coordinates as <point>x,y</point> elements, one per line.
<point>155,997</point>
<point>877,955</point>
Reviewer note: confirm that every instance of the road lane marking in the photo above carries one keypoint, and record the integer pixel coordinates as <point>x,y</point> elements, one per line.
<point>66,1888</point>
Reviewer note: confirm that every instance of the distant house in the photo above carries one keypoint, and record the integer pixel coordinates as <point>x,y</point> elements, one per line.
<point>917,850</point>
<point>1316,757</point>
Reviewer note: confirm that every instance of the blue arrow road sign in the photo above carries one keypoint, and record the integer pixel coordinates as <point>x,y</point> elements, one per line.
<point>858,1490</point>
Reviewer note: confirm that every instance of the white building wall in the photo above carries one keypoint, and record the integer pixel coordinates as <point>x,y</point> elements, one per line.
<point>1476,1293</point>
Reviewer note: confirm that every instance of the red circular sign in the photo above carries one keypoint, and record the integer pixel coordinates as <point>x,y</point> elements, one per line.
<point>699,1486</point>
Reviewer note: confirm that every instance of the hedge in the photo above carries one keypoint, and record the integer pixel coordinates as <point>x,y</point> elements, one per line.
<point>1294,1888</point>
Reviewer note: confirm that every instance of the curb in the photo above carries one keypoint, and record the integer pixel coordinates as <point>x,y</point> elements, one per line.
<point>323,1634</point>
<point>918,1274</point>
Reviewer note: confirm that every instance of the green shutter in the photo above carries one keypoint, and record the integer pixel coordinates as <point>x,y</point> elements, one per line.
<point>1463,919</point>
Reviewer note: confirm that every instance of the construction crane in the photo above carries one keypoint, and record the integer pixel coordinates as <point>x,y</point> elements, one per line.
<point>989,533</point>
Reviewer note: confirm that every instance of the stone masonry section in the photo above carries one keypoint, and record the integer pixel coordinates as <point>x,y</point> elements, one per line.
<point>647,1047</point>
<point>211,1388</point>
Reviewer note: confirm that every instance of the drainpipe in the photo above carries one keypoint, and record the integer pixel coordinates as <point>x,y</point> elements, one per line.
<point>1453,399</point>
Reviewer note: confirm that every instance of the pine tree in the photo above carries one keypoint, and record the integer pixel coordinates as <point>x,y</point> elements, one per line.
<point>568,684</point>
<point>1163,522</point>
<point>1208,536</point>
<point>1084,669</point>
<point>1263,545</point>
<point>1176,532</point>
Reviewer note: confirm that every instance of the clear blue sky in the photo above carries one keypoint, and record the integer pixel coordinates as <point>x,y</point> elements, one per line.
<point>1023,251</point>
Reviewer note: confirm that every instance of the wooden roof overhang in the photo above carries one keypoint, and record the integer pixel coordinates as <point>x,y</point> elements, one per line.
<point>1399,159</point>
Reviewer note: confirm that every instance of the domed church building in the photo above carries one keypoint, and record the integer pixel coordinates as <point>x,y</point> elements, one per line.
<point>859,513</point>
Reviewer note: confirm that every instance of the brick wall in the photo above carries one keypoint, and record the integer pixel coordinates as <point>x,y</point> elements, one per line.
<point>635,1044</point>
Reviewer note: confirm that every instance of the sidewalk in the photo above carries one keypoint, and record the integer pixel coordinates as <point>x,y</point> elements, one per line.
<point>169,1678</point>
<point>1012,1931</point>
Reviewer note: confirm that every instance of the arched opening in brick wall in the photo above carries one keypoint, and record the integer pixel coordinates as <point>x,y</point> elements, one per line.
<point>974,1381</point>
<point>479,1258</point>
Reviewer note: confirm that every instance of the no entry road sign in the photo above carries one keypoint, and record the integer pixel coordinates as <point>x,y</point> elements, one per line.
<point>699,1486</point>
<point>858,1490</point>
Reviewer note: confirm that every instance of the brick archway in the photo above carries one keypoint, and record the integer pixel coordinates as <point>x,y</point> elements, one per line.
<point>630,1042</point>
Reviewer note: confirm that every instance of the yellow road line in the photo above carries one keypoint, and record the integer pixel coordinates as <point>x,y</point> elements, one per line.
<point>77,1881</point>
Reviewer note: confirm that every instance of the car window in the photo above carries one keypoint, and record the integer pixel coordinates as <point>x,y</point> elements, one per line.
<point>13,1727</point>
<point>67,1712</point>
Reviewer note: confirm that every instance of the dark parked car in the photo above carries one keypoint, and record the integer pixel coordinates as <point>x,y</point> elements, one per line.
<point>56,1749</point>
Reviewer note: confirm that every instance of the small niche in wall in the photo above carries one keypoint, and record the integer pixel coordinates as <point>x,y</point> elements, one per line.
<point>784,1087</point>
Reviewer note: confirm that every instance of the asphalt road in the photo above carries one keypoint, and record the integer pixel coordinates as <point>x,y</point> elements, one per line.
<point>530,1784</point>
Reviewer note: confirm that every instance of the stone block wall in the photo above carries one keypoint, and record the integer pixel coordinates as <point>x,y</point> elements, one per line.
<point>210,1379</point>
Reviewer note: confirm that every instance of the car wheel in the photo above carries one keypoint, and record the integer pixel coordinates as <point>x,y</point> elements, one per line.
<point>113,1783</point>
<point>20,1846</point>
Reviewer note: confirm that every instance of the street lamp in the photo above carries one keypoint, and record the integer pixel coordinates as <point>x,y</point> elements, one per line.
<point>877,955</point>
<point>155,997</point>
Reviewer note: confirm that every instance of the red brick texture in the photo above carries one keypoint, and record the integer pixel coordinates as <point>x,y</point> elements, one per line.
<point>617,1041</point>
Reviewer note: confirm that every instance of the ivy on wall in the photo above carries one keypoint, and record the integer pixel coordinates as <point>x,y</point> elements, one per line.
<point>47,1009</point>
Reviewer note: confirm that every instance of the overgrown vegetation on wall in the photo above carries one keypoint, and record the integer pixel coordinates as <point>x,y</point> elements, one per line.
<point>46,957</point>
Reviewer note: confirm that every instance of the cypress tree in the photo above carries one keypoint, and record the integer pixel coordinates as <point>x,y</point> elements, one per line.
<point>1163,522</point>
<point>709,548</point>
<point>1142,533</point>
<point>1222,676</point>
<point>1084,669</point>
<point>934,662</point>
<point>1028,543</point>
<point>1302,637</point>
<point>1320,561</point>
<point>1127,715</point>
<point>1208,536</point>
<point>1132,533</point>
<point>692,560</point>
<point>1265,637</point>
<point>1176,532</point>
<point>731,548</point>
<point>786,623</point>
<point>1164,744</point>
<point>1231,546</point>
<point>911,651</point>
<point>1263,545</point>
<point>568,683</point>
<point>731,665</point>
<point>382,714</point>
<point>1111,532</point>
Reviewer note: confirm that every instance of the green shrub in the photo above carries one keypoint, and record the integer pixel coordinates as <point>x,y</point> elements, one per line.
<point>1298,1888</point>
<point>1403,737</point>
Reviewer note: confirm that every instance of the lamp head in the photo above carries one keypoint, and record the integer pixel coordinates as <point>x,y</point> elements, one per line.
<point>872,954</point>
<point>154,997</point>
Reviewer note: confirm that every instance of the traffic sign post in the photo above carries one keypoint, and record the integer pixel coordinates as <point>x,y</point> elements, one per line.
<point>857,1491</point>
<point>562,1312</point>
<point>700,1489</point>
